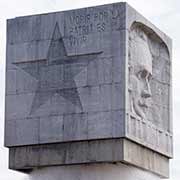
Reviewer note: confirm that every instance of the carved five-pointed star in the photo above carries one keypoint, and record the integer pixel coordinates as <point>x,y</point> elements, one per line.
<point>56,74</point>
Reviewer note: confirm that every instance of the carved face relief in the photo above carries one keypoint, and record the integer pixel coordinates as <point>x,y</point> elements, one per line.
<point>140,72</point>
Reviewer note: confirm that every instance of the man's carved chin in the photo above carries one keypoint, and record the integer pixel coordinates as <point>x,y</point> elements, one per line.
<point>140,107</point>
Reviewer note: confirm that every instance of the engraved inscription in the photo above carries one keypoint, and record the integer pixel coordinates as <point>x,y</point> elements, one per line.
<point>80,24</point>
<point>77,40</point>
<point>85,24</point>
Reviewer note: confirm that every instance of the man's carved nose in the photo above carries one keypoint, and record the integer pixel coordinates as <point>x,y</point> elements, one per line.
<point>146,93</point>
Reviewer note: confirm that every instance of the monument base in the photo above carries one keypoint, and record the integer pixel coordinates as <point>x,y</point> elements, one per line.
<point>92,172</point>
<point>27,158</point>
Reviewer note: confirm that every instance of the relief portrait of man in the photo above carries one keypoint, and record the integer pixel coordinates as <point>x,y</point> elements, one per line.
<point>140,73</point>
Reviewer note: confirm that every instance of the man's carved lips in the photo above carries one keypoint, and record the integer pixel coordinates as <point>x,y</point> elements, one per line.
<point>143,103</point>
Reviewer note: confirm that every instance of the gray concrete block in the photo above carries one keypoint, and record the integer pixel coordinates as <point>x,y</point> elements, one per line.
<point>9,132</point>
<point>76,152</point>
<point>92,76</point>
<point>17,106</point>
<point>25,82</point>
<point>65,154</point>
<point>106,97</point>
<point>118,68</point>
<point>27,51</point>
<point>99,125</point>
<point>11,82</point>
<point>19,29</point>
<point>118,99</point>
<point>75,127</point>
<point>18,158</point>
<point>29,131</point>
<point>100,71</point>
<point>118,123</point>
<point>93,94</point>
<point>74,70</point>
<point>59,154</point>
<point>81,78</point>
<point>146,158</point>
<point>51,129</point>
<point>105,70</point>
<point>89,152</point>
<point>24,131</point>
<point>25,29</point>
<point>52,77</point>
<point>88,74</point>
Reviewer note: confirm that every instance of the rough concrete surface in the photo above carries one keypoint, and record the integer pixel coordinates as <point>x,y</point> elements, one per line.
<point>95,172</point>
<point>99,74</point>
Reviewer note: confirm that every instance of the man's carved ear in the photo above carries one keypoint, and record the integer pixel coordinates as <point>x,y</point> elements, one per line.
<point>130,68</point>
<point>130,37</point>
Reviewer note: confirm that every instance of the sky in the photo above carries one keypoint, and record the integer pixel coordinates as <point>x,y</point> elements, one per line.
<point>165,14</point>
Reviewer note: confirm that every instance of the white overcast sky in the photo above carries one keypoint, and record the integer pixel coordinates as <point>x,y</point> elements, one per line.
<point>165,14</point>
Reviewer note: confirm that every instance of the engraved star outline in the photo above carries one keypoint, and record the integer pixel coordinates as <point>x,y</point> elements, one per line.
<point>56,56</point>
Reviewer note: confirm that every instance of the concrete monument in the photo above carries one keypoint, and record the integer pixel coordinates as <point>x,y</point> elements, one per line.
<point>88,86</point>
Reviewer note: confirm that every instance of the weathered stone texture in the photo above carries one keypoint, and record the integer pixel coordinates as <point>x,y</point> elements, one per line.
<point>78,77</point>
<point>26,157</point>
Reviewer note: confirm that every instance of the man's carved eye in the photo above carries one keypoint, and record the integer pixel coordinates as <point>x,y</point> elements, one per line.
<point>149,77</point>
<point>144,74</point>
